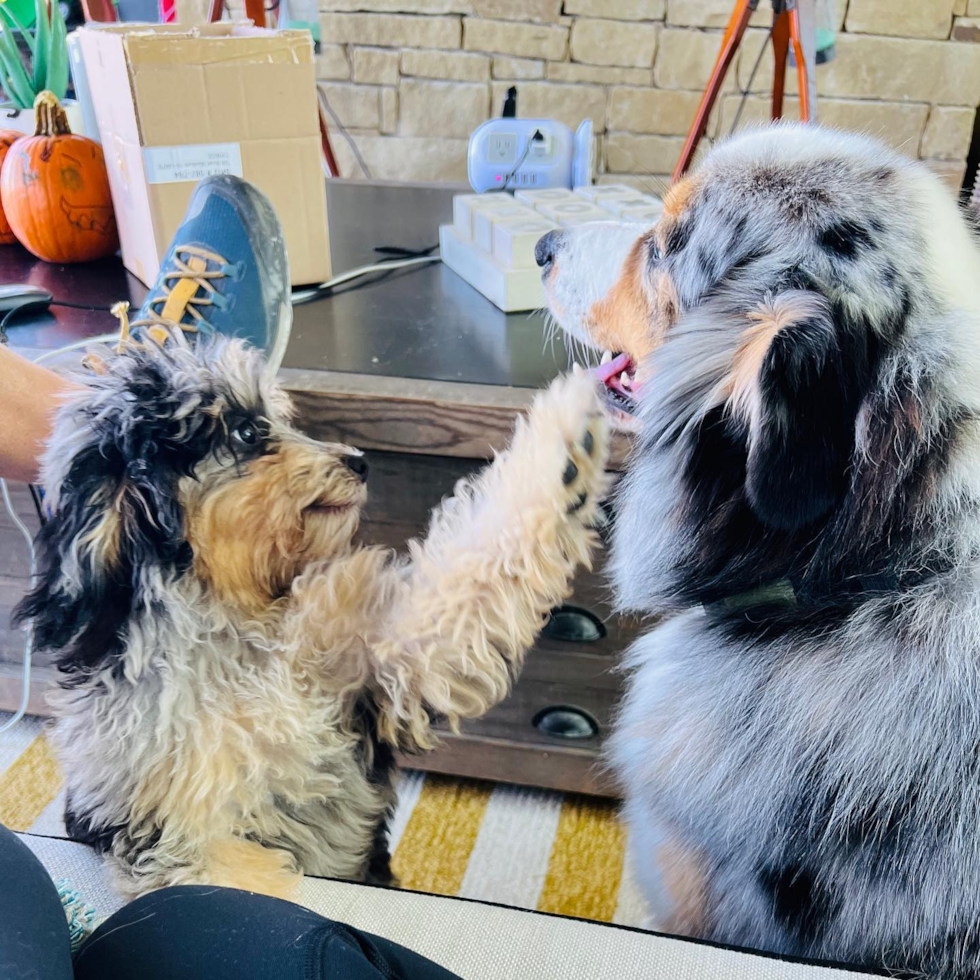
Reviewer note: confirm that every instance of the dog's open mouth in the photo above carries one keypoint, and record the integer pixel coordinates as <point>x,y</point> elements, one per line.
<point>616,372</point>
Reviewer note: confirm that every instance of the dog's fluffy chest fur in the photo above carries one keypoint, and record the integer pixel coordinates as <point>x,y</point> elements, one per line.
<point>836,773</point>
<point>222,729</point>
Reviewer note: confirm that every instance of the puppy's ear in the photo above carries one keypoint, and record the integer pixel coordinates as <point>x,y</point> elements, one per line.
<point>115,521</point>
<point>797,383</point>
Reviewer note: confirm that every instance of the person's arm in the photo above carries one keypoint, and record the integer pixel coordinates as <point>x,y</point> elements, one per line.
<point>29,396</point>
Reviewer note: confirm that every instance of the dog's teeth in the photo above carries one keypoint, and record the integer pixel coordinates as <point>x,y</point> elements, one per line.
<point>624,380</point>
<point>606,357</point>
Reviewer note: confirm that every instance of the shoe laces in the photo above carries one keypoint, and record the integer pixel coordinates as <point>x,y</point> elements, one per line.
<point>186,289</point>
<point>158,330</point>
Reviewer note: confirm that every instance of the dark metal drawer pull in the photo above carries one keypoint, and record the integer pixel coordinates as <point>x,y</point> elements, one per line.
<point>573,624</point>
<point>564,721</point>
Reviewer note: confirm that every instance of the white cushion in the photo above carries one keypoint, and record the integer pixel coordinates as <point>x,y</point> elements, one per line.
<point>479,941</point>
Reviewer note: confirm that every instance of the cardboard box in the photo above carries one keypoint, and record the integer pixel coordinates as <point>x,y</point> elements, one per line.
<point>175,104</point>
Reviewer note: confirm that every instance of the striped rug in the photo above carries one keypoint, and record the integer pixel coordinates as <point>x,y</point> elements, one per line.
<point>521,847</point>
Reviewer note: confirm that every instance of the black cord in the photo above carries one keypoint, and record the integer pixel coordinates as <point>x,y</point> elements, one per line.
<point>362,282</point>
<point>748,86</point>
<point>393,252</point>
<point>39,306</point>
<point>343,132</point>
<point>37,495</point>
<point>537,137</point>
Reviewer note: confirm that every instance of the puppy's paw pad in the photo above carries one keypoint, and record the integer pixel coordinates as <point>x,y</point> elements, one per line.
<point>583,478</point>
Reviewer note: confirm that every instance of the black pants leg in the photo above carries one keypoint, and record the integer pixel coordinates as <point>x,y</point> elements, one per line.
<point>34,941</point>
<point>195,932</point>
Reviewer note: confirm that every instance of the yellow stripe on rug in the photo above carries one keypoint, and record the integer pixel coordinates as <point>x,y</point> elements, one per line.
<point>586,863</point>
<point>28,785</point>
<point>436,844</point>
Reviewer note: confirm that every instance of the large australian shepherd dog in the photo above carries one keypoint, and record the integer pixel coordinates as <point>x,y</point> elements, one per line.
<point>800,741</point>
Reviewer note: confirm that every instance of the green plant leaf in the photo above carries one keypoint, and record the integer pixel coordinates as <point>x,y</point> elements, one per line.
<point>57,73</point>
<point>42,32</point>
<point>18,26</point>
<point>42,38</point>
<point>16,82</point>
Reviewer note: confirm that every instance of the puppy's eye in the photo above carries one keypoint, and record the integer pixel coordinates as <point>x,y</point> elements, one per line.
<point>245,434</point>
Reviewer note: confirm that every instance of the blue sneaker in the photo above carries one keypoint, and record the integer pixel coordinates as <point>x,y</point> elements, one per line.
<point>226,271</point>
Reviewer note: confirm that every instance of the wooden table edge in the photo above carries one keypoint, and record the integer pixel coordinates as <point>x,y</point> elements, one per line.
<point>413,415</point>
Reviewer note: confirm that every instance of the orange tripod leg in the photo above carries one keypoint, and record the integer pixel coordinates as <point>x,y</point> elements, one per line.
<point>729,45</point>
<point>328,155</point>
<point>801,69</point>
<point>99,11</point>
<point>780,55</point>
<point>255,12</point>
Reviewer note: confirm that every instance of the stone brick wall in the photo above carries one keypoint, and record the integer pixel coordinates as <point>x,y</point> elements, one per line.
<point>410,79</point>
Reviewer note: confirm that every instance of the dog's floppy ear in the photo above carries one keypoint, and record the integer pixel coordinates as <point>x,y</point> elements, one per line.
<point>115,519</point>
<point>798,379</point>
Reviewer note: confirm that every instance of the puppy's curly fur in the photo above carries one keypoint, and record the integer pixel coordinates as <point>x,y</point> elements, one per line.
<point>237,673</point>
<point>800,763</point>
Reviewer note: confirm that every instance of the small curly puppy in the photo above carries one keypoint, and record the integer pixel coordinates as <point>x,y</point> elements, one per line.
<point>800,741</point>
<point>237,673</point>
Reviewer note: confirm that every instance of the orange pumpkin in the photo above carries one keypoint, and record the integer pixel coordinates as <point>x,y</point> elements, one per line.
<point>7,138</point>
<point>55,192</point>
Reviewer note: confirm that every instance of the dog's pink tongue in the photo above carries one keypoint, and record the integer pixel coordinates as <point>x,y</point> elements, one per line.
<point>612,369</point>
<point>611,375</point>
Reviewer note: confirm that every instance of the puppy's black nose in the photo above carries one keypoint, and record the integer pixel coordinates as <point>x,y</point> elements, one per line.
<point>544,251</point>
<point>358,465</point>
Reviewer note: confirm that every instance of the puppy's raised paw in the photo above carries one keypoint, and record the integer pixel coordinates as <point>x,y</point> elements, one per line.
<point>567,422</point>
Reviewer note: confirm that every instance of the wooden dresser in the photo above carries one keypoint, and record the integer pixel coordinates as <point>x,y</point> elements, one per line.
<point>427,376</point>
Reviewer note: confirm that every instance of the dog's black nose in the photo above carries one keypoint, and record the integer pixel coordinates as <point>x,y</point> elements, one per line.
<point>544,251</point>
<point>358,465</point>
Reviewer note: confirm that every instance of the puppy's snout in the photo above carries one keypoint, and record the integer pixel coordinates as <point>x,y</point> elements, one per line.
<point>547,248</point>
<point>357,465</point>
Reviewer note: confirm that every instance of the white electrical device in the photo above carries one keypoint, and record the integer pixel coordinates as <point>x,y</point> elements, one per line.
<point>491,241</point>
<point>529,154</point>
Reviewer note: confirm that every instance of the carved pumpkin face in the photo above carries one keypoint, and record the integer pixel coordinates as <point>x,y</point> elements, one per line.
<point>55,192</point>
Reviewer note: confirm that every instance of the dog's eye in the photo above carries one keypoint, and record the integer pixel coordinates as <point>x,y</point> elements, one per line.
<point>245,434</point>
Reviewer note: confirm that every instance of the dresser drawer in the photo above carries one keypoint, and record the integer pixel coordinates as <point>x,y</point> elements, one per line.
<point>549,732</point>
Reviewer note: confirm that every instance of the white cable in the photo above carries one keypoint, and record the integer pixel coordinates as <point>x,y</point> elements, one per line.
<point>305,295</point>
<point>105,338</point>
<point>25,694</point>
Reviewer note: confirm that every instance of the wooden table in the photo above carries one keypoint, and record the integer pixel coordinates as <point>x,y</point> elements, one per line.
<point>418,368</point>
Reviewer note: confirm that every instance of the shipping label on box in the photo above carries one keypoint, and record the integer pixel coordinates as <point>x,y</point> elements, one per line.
<point>173,164</point>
